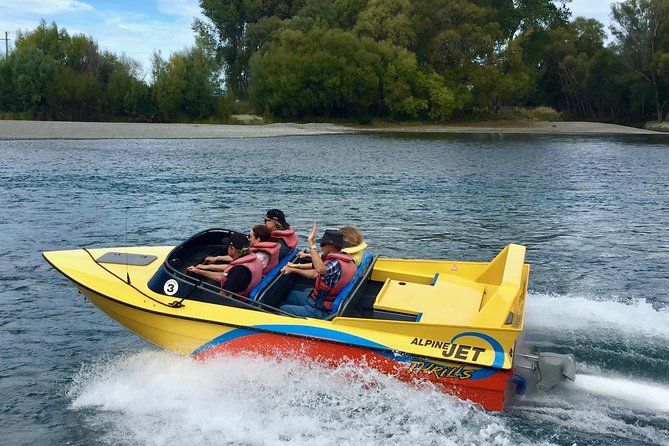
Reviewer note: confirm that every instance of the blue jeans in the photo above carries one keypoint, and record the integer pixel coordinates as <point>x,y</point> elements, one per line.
<point>298,303</point>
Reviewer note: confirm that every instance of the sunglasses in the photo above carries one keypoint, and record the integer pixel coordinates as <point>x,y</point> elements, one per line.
<point>251,235</point>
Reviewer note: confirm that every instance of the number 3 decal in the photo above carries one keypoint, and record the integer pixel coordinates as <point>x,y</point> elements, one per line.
<point>171,287</point>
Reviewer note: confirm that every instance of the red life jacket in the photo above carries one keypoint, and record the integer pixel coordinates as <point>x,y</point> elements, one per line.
<point>348,270</point>
<point>271,248</point>
<point>287,235</point>
<point>250,262</point>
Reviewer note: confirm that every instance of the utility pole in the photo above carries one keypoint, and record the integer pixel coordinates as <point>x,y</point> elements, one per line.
<point>6,39</point>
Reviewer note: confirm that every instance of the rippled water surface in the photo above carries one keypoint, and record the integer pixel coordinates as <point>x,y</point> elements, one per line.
<point>593,212</point>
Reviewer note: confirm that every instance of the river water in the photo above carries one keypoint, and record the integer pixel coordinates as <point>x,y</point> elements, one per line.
<point>592,211</point>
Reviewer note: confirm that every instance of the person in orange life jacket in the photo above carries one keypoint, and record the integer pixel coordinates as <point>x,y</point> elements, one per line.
<point>242,274</point>
<point>264,247</point>
<point>275,220</point>
<point>332,271</point>
<point>356,248</point>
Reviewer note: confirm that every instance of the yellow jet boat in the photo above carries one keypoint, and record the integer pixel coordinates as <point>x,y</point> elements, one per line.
<point>455,323</point>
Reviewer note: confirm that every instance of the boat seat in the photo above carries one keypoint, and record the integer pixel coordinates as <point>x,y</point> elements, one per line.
<point>346,292</point>
<point>451,300</point>
<point>271,274</point>
<point>505,270</point>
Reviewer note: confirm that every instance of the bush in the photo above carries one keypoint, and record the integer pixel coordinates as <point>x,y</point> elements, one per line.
<point>541,113</point>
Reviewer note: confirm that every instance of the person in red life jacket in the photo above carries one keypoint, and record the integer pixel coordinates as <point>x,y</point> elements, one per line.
<point>332,271</point>
<point>264,247</point>
<point>356,248</point>
<point>260,243</point>
<point>240,275</point>
<point>275,220</point>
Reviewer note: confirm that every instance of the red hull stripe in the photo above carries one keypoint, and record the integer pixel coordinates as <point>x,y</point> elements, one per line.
<point>346,338</point>
<point>463,380</point>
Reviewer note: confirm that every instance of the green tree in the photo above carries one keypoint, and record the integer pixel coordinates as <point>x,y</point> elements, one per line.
<point>586,39</point>
<point>334,73</point>
<point>409,93</point>
<point>545,50</point>
<point>348,11</point>
<point>611,100</point>
<point>517,16</point>
<point>440,100</point>
<point>225,29</point>
<point>185,87</point>
<point>52,75</point>
<point>636,28</point>
<point>589,35</point>
<point>458,40</point>
<point>507,80</point>
<point>36,65</point>
<point>328,73</point>
<point>129,97</point>
<point>391,21</point>
<point>400,84</point>
<point>34,81</point>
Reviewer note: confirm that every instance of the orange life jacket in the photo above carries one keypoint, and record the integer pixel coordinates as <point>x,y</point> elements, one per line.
<point>322,294</point>
<point>287,235</point>
<point>253,264</point>
<point>271,248</point>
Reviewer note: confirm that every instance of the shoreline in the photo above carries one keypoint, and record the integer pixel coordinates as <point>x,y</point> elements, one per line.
<point>29,130</point>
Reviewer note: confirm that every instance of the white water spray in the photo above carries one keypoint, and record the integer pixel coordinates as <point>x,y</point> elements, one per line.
<point>637,394</point>
<point>157,398</point>
<point>583,313</point>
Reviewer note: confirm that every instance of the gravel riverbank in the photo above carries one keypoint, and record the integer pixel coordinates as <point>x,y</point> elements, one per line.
<point>12,130</point>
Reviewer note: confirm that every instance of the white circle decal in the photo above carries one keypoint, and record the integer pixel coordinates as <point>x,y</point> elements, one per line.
<point>171,287</point>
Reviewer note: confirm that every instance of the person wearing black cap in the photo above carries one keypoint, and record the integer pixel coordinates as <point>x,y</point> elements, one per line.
<point>275,220</point>
<point>244,271</point>
<point>331,271</point>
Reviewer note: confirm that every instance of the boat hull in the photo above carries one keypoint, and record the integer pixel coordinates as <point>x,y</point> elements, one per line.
<point>205,339</point>
<point>482,385</point>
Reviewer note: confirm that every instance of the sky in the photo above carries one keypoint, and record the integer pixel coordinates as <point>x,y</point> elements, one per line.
<point>138,28</point>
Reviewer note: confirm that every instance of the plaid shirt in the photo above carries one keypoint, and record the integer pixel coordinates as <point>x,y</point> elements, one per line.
<point>333,273</point>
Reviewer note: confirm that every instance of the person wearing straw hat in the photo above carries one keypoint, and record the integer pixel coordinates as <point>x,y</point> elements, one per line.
<point>332,270</point>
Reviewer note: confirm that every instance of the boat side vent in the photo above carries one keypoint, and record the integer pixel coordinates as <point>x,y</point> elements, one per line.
<point>124,258</point>
<point>509,318</point>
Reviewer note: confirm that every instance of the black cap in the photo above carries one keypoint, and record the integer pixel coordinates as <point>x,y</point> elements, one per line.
<point>333,237</point>
<point>236,240</point>
<point>278,216</point>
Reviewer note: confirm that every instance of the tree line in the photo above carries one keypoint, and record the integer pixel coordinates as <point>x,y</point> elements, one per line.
<point>430,60</point>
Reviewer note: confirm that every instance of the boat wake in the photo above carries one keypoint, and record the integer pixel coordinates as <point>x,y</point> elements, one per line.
<point>159,398</point>
<point>585,313</point>
<point>620,394</point>
<point>626,339</point>
<point>602,410</point>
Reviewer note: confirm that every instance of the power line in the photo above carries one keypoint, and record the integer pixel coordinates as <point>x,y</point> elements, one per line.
<point>6,39</point>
